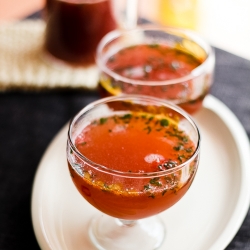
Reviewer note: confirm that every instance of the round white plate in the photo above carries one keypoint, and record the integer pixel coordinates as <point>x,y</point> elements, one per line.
<point>208,216</point>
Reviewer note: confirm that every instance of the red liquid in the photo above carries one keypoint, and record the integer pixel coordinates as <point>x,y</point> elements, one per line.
<point>74,29</point>
<point>156,63</point>
<point>138,145</point>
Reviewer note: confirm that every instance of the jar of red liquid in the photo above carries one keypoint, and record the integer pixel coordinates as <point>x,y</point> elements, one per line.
<point>75,27</point>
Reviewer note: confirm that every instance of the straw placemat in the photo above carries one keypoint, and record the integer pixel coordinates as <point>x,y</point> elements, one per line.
<point>22,64</point>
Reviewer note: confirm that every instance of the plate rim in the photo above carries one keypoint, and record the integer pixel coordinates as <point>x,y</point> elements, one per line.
<point>242,142</point>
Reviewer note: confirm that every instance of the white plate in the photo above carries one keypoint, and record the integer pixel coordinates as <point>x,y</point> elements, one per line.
<point>208,216</point>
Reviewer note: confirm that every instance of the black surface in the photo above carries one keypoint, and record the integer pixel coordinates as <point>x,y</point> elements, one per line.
<point>30,120</point>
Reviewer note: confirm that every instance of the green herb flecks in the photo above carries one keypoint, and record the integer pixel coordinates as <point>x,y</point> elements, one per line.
<point>149,120</point>
<point>83,143</point>
<point>151,196</point>
<point>167,165</point>
<point>115,119</point>
<point>153,46</point>
<point>171,180</point>
<point>181,158</point>
<point>164,191</point>
<point>189,150</point>
<point>148,128</point>
<point>185,139</point>
<point>127,116</point>
<point>178,148</point>
<point>174,190</point>
<point>164,122</point>
<point>158,129</point>
<point>103,120</point>
<point>105,187</point>
<point>178,135</point>
<point>155,182</point>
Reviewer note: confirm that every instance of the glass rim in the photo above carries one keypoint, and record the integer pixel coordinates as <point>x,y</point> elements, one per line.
<point>114,34</point>
<point>155,100</point>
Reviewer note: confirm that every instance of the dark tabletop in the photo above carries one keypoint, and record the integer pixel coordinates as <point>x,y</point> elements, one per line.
<point>30,120</point>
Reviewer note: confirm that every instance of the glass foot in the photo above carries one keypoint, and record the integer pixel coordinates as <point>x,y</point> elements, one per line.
<point>108,233</point>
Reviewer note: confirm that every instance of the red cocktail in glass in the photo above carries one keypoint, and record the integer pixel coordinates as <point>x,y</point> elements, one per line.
<point>132,157</point>
<point>169,63</point>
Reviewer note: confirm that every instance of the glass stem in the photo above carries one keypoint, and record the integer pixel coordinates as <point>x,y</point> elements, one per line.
<point>127,223</point>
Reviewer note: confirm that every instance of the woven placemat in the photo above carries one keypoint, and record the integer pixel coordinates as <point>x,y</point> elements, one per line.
<point>23,66</point>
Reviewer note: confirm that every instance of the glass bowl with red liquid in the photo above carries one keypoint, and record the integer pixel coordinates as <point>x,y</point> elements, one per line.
<point>169,63</point>
<point>131,157</point>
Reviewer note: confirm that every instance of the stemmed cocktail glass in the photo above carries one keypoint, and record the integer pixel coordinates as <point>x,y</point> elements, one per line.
<point>131,157</point>
<point>170,63</point>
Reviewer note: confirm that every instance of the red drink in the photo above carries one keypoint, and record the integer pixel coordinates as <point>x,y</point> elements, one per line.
<point>155,63</point>
<point>75,27</point>
<point>131,157</point>
<point>133,143</point>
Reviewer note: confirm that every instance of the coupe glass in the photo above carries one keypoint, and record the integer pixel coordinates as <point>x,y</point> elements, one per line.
<point>131,157</point>
<point>170,63</point>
